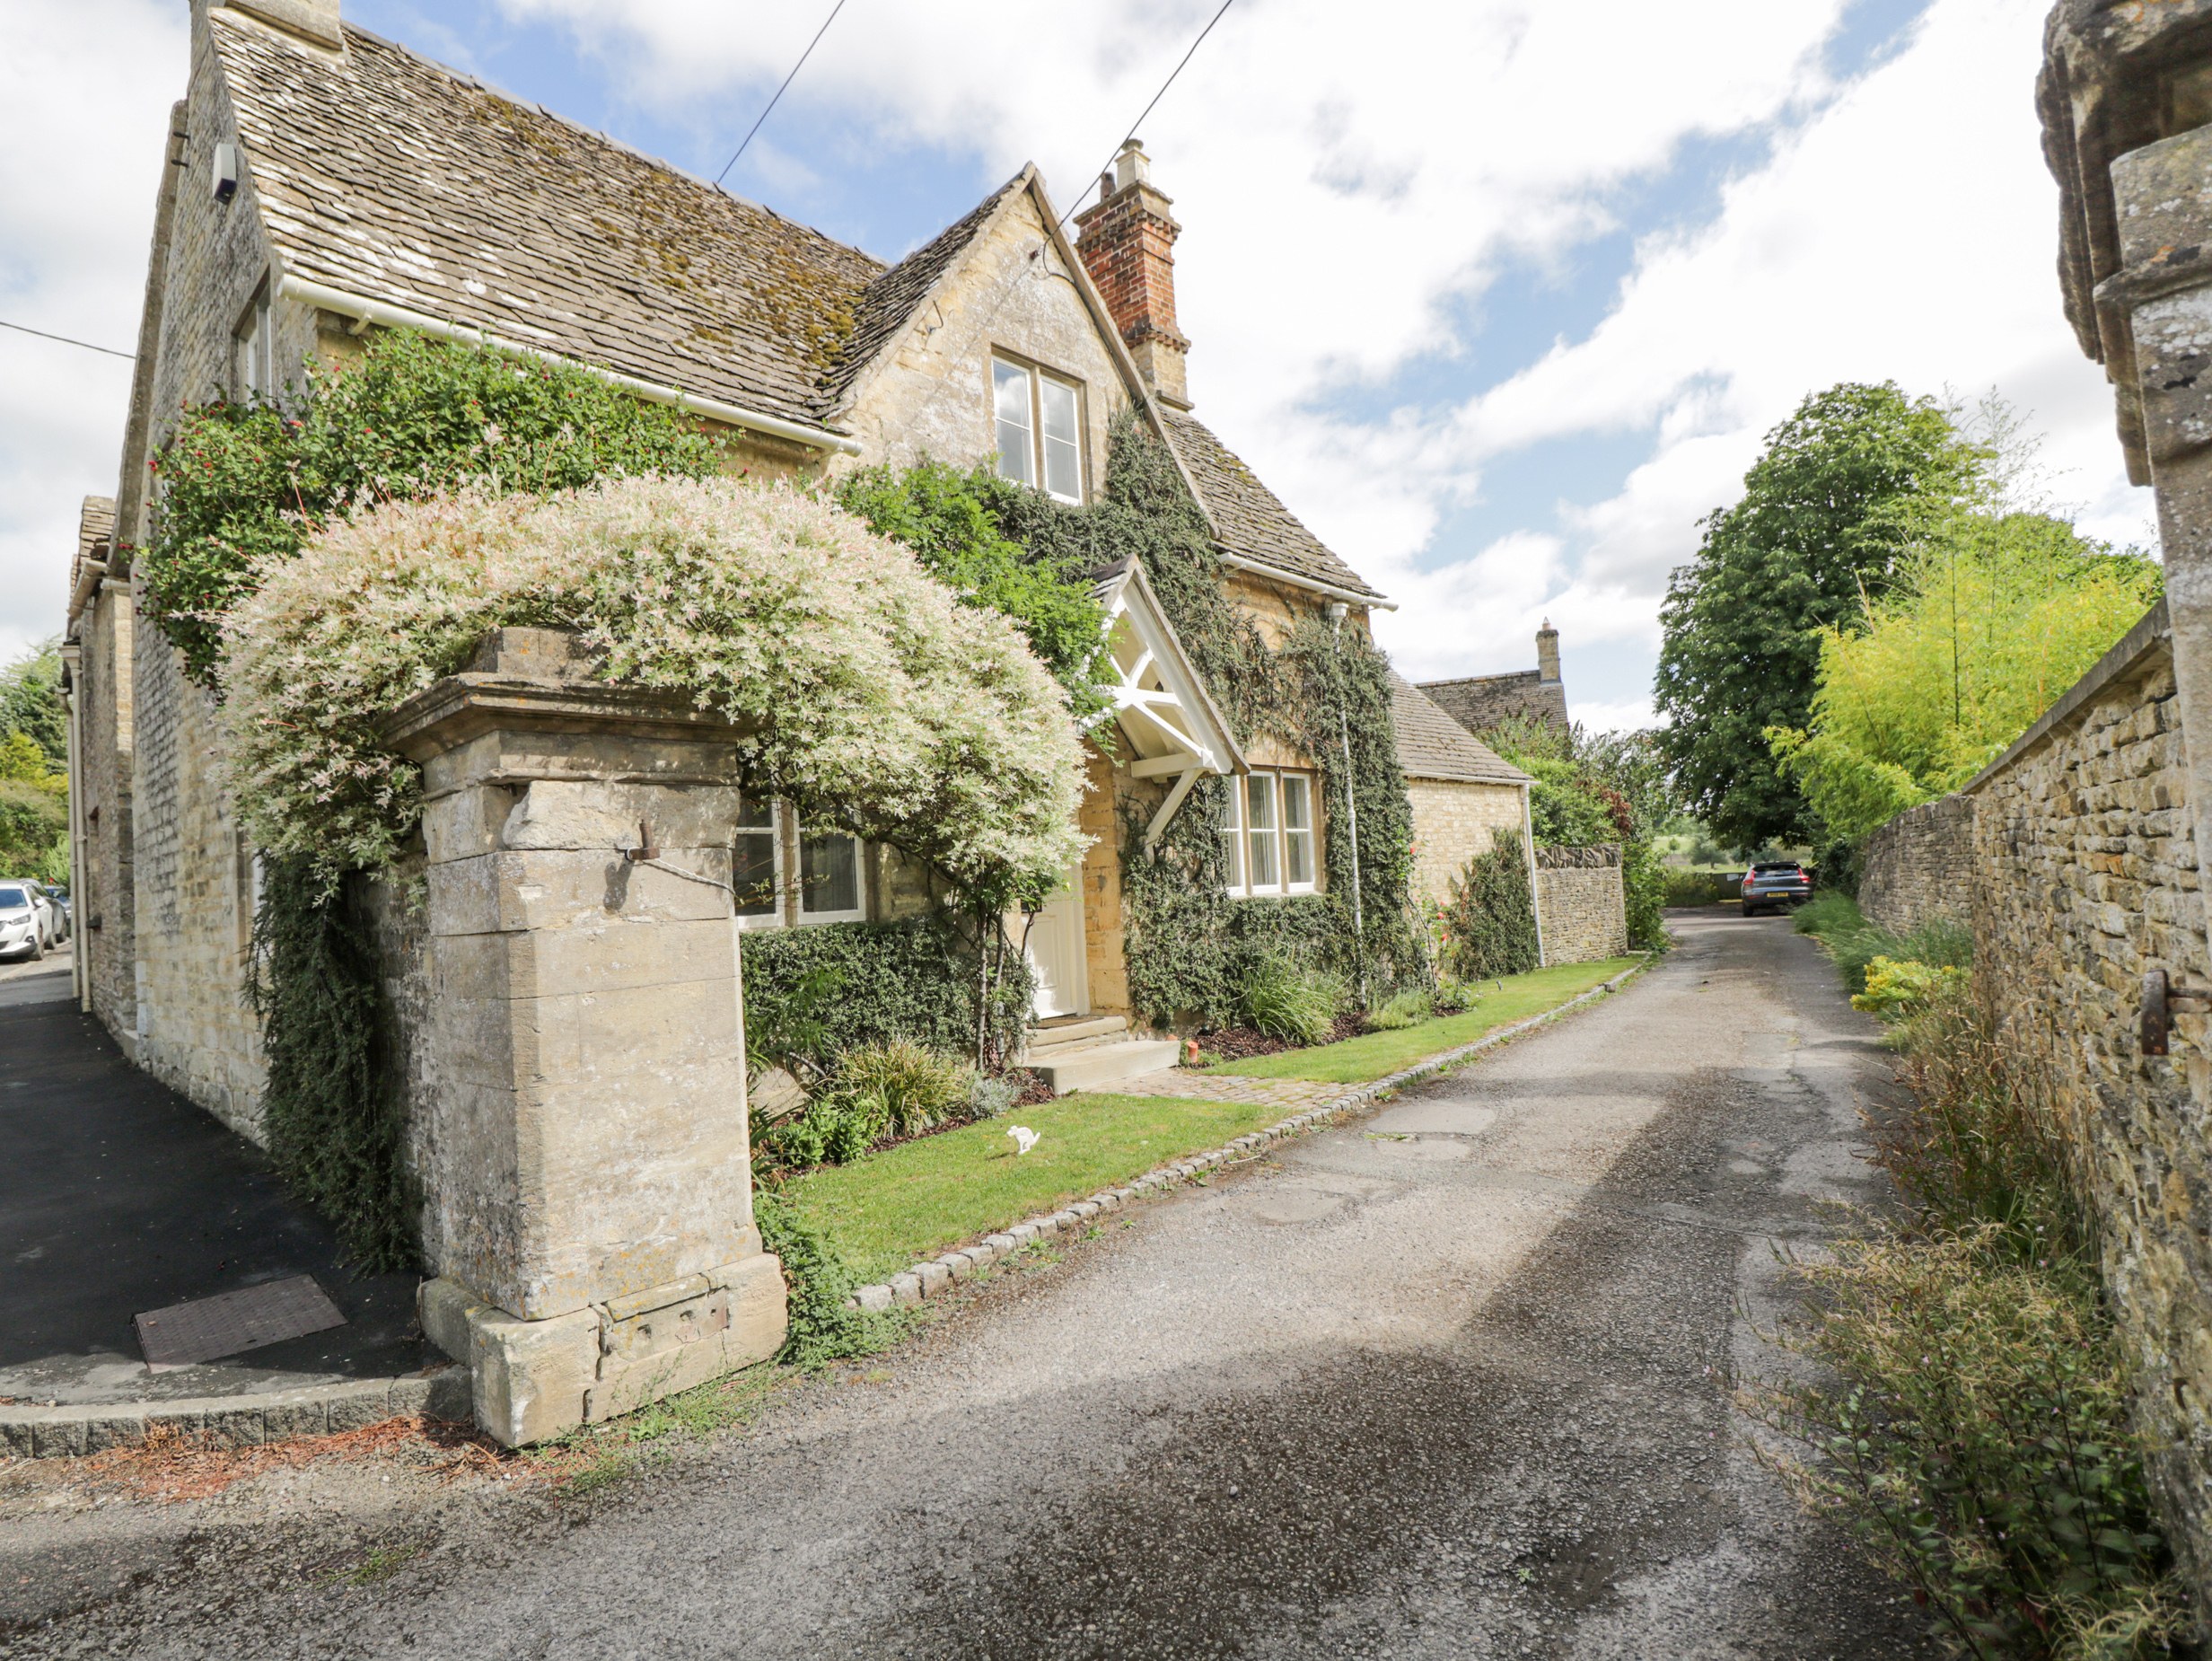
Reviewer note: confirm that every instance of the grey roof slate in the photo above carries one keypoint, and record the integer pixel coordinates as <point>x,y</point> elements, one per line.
<point>392,177</point>
<point>1432,745</point>
<point>1249,519</point>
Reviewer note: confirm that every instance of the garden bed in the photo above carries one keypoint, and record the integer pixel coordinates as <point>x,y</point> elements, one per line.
<point>1376,1055</point>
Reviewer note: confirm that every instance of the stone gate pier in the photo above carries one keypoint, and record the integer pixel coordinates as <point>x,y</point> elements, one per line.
<point>579,1093</point>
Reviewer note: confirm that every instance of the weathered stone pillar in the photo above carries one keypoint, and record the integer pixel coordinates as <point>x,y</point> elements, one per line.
<point>2157,310</point>
<point>582,1125</point>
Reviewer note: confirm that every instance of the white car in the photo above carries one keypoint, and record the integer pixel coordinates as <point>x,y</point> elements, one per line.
<point>26,920</point>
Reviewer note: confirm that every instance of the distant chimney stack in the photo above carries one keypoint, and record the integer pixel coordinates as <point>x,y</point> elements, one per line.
<point>1547,654</point>
<point>1125,242</point>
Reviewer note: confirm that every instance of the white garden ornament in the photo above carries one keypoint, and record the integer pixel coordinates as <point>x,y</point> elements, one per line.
<point>1024,1138</point>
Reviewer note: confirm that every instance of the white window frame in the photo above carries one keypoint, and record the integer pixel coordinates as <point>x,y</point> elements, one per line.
<point>773,917</point>
<point>1236,831</point>
<point>1038,377</point>
<point>255,337</point>
<point>802,915</point>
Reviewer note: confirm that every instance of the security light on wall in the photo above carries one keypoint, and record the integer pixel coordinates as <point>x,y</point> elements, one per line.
<point>225,171</point>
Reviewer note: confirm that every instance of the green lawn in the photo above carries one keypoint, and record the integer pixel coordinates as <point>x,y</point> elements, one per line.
<point>1377,1055</point>
<point>921,1198</point>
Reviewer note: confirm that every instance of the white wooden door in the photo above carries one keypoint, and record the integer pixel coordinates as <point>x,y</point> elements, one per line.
<point>1058,956</point>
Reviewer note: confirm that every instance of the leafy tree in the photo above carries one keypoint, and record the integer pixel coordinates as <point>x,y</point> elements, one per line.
<point>1604,787</point>
<point>1822,525</point>
<point>1993,617</point>
<point>31,700</point>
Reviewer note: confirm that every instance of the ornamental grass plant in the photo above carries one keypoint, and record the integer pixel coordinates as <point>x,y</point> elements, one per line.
<point>1967,1412</point>
<point>1287,999</point>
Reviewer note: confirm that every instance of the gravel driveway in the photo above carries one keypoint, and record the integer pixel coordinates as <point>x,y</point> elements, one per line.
<point>1447,1382</point>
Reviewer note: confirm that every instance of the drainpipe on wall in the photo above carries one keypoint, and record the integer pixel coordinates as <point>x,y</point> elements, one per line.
<point>1528,848</point>
<point>72,658</point>
<point>1337,611</point>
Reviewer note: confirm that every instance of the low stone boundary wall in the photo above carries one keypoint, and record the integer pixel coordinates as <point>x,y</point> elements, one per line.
<point>2083,874</point>
<point>1919,867</point>
<point>1580,904</point>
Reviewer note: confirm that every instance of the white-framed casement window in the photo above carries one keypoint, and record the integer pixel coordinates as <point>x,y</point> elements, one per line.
<point>1267,833</point>
<point>257,348</point>
<point>830,879</point>
<point>757,866</point>
<point>1040,423</point>
<point>831,882</point>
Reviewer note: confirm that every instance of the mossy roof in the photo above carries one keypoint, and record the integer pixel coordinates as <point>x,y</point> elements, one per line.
<point>392,177</point>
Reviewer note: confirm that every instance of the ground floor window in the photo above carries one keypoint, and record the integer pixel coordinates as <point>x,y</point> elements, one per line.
<point>1267,832</point>
<point>785,875</point>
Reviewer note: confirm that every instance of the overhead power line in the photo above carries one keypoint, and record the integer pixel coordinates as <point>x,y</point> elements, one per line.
<point>780,91</point>
<point>1157,96</point>
<point>66,340</point>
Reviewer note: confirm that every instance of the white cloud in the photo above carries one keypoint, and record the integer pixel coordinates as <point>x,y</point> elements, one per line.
<point>86,90</point>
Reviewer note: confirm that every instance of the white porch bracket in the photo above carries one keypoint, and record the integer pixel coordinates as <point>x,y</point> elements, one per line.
<point>1165,816</point>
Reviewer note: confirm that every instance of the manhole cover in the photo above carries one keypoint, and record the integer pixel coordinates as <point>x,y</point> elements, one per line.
<point>230,1322</point>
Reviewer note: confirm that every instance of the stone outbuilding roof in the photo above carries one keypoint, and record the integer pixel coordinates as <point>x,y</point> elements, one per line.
<point>1249,519</point>
<point>386,175</point>
<point>1432,745</point>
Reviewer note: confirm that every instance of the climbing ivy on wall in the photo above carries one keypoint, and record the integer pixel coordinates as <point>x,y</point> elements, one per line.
<point>244,483</point>
<point>332,1115</point>
<point>1187,944</point>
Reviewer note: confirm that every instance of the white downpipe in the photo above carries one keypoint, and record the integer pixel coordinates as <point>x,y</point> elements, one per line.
<point>1351,813</point>
<point>399,317</point>
<point>1527,849</point>
<point>73,657</point>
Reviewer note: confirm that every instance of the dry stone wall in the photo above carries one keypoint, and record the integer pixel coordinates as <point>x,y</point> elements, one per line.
<point>2084,870</point>
<point>1919,867</point>
<point>1580,903</point>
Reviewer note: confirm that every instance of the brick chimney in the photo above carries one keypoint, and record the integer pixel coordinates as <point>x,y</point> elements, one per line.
<point>1124,241</point>
<point>1546,653</point>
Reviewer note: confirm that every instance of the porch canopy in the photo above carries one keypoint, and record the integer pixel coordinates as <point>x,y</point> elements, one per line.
<point>1169,721</point>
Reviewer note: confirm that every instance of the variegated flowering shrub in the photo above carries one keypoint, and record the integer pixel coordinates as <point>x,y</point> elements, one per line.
<point>875,698</point>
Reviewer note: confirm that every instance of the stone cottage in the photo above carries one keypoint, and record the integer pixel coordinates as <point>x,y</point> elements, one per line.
<point>1480,702</point>
<point>322,183</point>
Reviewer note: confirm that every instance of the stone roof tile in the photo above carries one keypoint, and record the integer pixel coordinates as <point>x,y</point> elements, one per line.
<point>1249,519</point>
<point>388,176</point>
<point>1432,745</point>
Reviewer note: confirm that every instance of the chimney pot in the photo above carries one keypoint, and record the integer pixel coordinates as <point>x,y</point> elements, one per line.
<point>1546,653</point>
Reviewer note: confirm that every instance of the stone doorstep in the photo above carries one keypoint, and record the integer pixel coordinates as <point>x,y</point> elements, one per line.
<point>77,1428</point>
<point>926,1280</point>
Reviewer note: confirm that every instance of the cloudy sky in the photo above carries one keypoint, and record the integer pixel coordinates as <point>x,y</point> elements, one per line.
<point>1499,296</point>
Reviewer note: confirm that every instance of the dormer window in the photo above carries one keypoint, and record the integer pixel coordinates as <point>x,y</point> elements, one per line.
<point>1040,428</point>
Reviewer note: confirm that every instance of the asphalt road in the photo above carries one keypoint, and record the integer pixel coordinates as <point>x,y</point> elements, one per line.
<point>1447,1382</point>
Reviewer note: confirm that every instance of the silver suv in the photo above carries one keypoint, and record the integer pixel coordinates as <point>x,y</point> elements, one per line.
<point>1783,885</point>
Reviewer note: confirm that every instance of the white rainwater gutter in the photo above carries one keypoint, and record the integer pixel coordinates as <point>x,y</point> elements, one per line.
<point>367,311</point>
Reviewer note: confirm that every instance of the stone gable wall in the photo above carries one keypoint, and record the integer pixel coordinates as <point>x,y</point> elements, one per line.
<point>1919,867</point>
<point>104,910</point>
<point>1455,820</point>
<point>1582,904</point>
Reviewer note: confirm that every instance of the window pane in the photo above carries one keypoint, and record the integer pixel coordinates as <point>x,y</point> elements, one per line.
<point>1297,831</point>
<point>1232,836</point>
<point>1259,821</point>
<point>753,875</point>
<point>829,868</point>
<point>1063,445</point>
<point>1010,398</point>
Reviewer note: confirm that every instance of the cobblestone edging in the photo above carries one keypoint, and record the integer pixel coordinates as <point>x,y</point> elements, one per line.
<point>924,1281</point>
<point>72,1429</point>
